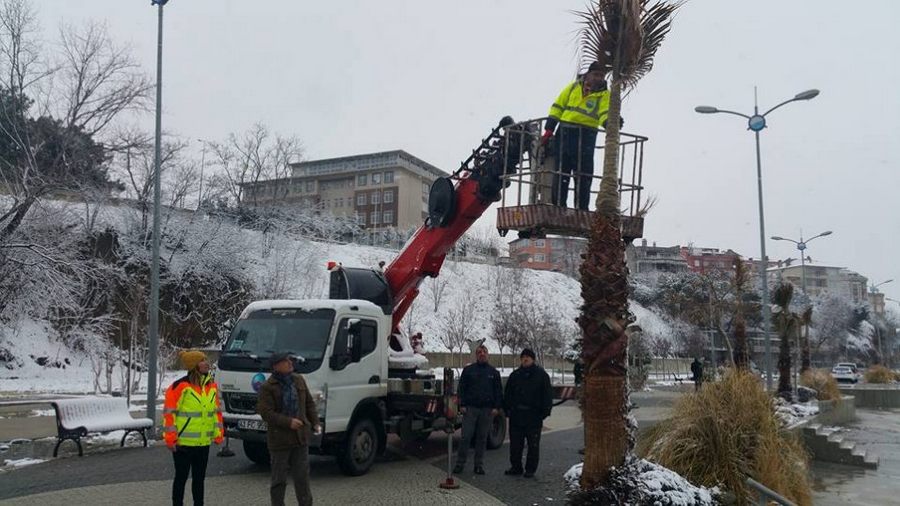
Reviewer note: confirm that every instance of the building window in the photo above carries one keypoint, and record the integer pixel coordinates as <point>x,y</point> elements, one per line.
<point>389,217</point>
<point>310,186</point>
<point>539,258</point>
<point>361,219</point>
<point>362,180</point>
<point>376,198</point>
<point>376,178</point>
<point>388,176</point>
<point>339,202</point>
<point>373,218</point>
<point>539,243</point>
<point>388,196</point>
<point>696,263</point>
<point>361,199</point>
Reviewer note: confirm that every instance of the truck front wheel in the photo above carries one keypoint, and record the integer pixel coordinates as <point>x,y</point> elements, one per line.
<point>360,447</point>
<point>497,435</point>
<point>256,452</point>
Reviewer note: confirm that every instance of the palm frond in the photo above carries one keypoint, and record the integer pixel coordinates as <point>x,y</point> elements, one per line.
<point>624,35</point>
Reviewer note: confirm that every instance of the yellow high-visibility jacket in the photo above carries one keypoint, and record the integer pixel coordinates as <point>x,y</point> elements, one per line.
<point>192,415</point>
<point>573,107</point>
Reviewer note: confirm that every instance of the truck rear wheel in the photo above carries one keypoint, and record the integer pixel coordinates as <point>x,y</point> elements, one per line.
<point>258,453</point>
<point>360,448</point>
<point>497,435</point>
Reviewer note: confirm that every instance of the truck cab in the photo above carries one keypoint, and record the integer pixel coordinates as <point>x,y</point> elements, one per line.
<point>340,348</point>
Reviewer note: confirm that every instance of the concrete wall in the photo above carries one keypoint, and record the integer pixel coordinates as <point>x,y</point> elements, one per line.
<point>874,396</point>
<point>837,413</point>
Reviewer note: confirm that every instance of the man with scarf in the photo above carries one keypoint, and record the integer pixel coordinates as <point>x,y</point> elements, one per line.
<point>289,409</point>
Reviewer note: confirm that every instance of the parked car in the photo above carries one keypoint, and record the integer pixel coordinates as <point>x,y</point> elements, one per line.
<point>844,374</point>
<point>853,367</point>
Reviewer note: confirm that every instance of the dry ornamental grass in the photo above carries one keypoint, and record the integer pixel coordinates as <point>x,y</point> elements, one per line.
<point>879,374</point>
<point>726,432</point>
<point>823,383</point>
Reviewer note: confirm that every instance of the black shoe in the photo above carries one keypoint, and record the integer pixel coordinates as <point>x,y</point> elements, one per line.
<point>529,474</point>
<point>458,469</point>
<point>513,472</point>
<point>479,470</point>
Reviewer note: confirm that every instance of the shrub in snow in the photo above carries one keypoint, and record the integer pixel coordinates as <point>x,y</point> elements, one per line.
<point>640,482</point>
<point>727,431</point>
<point>879,374</point>
<point>823,383</point>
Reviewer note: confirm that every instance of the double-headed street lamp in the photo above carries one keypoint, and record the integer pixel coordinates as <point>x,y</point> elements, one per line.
<point>756,122</point>
<point>801,246</point>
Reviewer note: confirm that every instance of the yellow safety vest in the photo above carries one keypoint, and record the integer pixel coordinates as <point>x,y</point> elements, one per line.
<point>192,416</point>
<point>572,107</point>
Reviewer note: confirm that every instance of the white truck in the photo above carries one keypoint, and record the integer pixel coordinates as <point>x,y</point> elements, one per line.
<point>366,379</point>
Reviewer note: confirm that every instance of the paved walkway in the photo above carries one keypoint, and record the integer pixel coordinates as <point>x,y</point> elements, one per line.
<point>878,432</point>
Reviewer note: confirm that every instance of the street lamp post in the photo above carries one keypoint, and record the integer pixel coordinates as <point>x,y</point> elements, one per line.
<point>801,247</point>
<point>153,317</point>
<point>756,122</point>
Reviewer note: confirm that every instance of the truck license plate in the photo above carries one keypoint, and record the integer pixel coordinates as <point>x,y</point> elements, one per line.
<point>252,425</point>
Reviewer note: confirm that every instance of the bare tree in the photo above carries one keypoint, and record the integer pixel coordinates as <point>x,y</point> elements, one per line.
<point>22,59</point>
<point>436,288</point>
<point>99,79</point>
<point>458,324</point>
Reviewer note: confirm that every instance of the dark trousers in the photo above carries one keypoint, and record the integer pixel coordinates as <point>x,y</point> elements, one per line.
<point>295,460</point>
<point>476,424</point>
<point>518,435</point>
<point>575,154</point>
<point>189,460</point>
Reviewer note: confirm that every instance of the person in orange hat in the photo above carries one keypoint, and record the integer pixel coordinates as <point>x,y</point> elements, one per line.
<point>192,420</point>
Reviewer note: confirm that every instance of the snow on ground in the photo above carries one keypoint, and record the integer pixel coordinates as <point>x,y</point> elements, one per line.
<point>793,414</point>
<point>21,462</point>
<point>656,485</point>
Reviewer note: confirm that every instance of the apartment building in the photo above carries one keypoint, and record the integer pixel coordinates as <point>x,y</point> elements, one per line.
<point>559,254</point>
<point>822,279</point>
<point>380,190</point>
<point>648,259</point>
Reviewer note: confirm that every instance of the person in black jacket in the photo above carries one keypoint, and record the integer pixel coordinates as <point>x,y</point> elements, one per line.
<point>527,400</point>
<point>480,399</point>
<point>697,373</point>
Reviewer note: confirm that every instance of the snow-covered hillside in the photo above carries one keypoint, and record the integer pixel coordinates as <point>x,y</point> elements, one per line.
<point>285,266</point>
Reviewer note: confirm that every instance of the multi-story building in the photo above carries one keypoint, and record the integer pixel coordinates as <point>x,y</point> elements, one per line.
<point>650,259</point>
<point>387,189</point>
<point>821,279</point>
<point>559,254</point>
<point>876,302</point>
<point>704,260</point>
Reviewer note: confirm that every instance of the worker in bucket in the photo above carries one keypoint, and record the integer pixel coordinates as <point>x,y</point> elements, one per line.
<point>192,420</point>
<point>480,400</point>
<point>578,112</point>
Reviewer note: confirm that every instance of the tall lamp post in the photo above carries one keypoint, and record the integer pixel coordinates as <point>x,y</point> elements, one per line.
<point>873,290</point>
<point>756,122</point>
<point>153,317</point>
<point>801,247</point>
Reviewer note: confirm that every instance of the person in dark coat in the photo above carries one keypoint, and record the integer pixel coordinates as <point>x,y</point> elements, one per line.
<point>697,373</point>
<point>480,400</point>
<point>527,400</point>
<point>287,406</point>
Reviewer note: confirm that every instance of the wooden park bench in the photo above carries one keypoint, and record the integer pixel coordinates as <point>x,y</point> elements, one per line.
<point>76,418</point>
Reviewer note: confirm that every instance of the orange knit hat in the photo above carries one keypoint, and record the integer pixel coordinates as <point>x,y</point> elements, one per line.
<point>191,358</point>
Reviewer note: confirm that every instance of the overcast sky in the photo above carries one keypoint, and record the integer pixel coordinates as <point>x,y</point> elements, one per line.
<point>355,76</point>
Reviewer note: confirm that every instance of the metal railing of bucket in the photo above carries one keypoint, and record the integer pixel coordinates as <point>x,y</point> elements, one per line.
<point>531,181</point>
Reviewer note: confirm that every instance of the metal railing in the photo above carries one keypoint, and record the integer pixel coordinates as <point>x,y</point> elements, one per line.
<point>536,172</point>
<point>766,495</point>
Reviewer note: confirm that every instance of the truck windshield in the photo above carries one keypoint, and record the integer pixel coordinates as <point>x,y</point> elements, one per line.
<point>298,331</point>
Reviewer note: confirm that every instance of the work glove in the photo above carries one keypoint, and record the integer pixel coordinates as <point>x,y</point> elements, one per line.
<point>545,139</point>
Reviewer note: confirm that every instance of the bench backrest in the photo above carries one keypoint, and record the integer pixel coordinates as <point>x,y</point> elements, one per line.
<point>77,412</point>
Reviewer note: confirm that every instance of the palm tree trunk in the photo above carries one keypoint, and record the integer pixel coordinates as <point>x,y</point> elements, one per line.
<point>784,359</point>
<point>805,362</point>
<point>741,357</point>
<point>604,316</point>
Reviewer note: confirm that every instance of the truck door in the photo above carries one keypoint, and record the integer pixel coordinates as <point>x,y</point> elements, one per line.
<point>356,368</point>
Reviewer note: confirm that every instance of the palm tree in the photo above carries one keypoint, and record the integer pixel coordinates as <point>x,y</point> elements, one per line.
<point>806,320</point>
<point>741,351</point>
<point>787,324</point>
<point>624,35</point>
